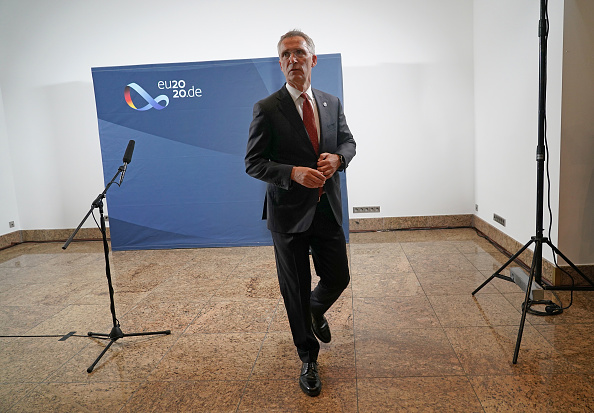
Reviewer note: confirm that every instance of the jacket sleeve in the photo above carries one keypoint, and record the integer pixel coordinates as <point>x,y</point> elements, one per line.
<point>345,141</point>
<point>257,159</point>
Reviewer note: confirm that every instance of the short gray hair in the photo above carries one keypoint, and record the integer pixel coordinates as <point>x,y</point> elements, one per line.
<point>294,33</point>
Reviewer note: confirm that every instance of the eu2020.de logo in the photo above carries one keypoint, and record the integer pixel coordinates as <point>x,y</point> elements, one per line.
<point>155,103</point>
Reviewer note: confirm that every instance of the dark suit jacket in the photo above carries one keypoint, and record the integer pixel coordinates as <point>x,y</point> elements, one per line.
<point>278,141</point>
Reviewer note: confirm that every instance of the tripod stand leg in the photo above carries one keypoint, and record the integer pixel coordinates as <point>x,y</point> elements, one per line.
<point>98,335</point>
<point>535,270</point>
<point>486,282</point>
<point>523,320</point>
<point>165,332</point>
<point>571,264</point>
<point>90,369</point>
<point>116,334</point>
<point>496,274</point>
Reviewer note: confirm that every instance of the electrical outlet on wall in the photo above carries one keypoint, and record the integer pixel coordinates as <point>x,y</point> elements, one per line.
<point>358,210</point>
<point>499,219</point>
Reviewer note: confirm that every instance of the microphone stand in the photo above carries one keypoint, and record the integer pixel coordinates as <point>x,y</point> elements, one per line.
<point>116,332</point>
<point>539,240</point>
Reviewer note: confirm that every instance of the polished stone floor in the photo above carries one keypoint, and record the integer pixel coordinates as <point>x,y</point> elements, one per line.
<point>407,333</point>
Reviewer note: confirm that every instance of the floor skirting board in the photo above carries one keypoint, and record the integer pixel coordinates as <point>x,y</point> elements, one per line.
<point>504,241</point>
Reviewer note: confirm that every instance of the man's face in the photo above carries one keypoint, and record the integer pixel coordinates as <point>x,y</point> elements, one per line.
<point>296,62</point>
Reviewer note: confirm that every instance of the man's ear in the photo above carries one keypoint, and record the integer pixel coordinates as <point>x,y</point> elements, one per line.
<point>314,61</point>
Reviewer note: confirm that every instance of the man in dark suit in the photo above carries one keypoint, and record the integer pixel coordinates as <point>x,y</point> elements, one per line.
<point>298,140</point>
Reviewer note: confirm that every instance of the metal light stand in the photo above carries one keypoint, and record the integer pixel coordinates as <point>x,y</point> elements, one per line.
<point>116,332</point>
<point>539,240</point>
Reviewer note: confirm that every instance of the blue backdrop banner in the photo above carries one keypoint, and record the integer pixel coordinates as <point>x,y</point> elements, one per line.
<point>186,185</point>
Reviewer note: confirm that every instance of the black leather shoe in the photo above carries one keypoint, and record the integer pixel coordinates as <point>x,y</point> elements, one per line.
<point>321,329</point>
<point>309,381</point>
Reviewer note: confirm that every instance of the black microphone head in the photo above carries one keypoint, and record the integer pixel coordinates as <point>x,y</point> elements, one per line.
<point>129,150</point>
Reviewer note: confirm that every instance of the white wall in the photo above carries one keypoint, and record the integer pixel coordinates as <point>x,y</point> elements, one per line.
<point>8,205</point>
<point>408,97</point>
<point>506,58</point>
<point>407,87</point>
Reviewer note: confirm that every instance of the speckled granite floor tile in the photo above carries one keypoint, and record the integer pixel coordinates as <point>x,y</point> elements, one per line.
<point>406,394</point>
<point>489,351</point>
<point>187,396</point>
<point>535,393</point>
<point>405,352</point>
<point>76,397</point>
<point>478,310</point>
<point>407,335</point>
<point>456,283</point>
<point>386,313</point>
<point>235,316</point>
<point>225,356</point>
<point>337,395</point>
<point>386,285</point>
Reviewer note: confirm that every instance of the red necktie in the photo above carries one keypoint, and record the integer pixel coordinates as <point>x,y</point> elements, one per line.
<point>310,125</point>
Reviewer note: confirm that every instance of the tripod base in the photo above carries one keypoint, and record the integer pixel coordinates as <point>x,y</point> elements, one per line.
<point>536,273</point>
<point>115,334</point>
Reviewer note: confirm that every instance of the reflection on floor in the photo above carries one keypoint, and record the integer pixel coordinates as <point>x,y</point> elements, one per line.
<point>407,333</point>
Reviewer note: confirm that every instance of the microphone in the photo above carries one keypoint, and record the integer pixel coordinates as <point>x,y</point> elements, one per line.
<point>127,158</point>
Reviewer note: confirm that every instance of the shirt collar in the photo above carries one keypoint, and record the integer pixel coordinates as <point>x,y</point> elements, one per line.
<point>296,93</point>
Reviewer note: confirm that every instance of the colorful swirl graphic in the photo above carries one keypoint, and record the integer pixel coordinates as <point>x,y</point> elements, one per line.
<point>152,103</point>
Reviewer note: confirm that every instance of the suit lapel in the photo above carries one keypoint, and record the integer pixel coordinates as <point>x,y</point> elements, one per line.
<point>324,117</point>
<point>288,109</point>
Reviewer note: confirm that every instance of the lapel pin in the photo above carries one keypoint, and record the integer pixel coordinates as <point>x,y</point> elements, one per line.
<point>324,104</point>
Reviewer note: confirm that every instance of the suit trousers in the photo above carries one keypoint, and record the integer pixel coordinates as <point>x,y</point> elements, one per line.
<point>326,239</point>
